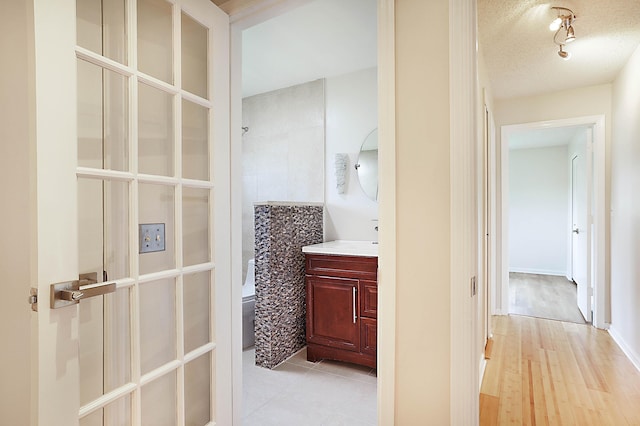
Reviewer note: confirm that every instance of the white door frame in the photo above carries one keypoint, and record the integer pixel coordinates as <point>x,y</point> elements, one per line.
<point>599,212</point>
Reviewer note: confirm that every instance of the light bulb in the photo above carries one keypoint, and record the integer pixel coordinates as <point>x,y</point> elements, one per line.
<point>564,55</point>
<point>570,35</point>
<point>555,25</point>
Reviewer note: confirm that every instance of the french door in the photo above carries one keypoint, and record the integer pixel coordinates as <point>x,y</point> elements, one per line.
<point>133,187</point>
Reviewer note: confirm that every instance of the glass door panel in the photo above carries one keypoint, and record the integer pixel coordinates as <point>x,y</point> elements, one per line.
<point>116,235</point>
<point>157,324</point>
<point>103,228</point>
<point>101,28</point>
<point>197,391</point>
<point>195,141</point>
<point>197,310</point>
<point>194,57</point>
<point>103,128</point>
<point>155,39</point>
<point>155,131</point>
<point>159,400</point>
<point>105,362</point>
<point>195,226</point>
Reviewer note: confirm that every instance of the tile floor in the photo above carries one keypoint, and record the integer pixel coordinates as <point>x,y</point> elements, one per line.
<point>298,392</point>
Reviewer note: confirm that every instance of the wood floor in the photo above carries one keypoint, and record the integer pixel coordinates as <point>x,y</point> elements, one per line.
<point>543,296</point>
<point>545,372</point>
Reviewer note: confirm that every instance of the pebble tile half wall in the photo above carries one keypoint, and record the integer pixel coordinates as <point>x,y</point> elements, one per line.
<point>282,229</point>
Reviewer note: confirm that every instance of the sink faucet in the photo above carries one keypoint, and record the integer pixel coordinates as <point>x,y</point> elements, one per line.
<point>375,228</point>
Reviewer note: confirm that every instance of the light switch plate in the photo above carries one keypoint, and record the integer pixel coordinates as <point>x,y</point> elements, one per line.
<point>151,237</point>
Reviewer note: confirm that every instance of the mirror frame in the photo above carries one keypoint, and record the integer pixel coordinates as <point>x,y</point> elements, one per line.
<point>367,165</point>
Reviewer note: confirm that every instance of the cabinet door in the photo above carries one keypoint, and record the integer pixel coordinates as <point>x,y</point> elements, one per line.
<point>332,305</point>
<point>369,335</point>
<point>368,299</point>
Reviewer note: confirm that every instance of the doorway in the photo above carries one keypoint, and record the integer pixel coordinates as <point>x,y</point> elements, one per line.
<point>594,234</point>
<point>252,133</point>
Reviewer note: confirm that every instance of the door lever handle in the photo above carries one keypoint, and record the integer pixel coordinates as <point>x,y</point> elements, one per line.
<point>71,295</point>
<point>576,231</point>
<point>72,292</point>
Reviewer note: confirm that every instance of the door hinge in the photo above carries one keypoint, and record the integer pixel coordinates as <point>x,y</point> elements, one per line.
<point>33,299</point>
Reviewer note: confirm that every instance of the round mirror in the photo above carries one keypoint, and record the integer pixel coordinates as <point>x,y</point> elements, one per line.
<point>367,166</point>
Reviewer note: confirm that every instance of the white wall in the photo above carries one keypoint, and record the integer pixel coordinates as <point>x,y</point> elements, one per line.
<point>282,151</point>
<point>538,210</point>
<point>284,148</point>
<point>625,210</point>
<point>352,113</point>
<point>434,229</point>
<point>423,215</point>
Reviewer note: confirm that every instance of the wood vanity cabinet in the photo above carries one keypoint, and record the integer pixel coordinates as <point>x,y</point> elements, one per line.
<point>342,305</point>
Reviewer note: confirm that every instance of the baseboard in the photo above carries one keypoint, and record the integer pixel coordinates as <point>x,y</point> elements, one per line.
<point>483,367</point>
<point>538,271</point>
<point>488,348</point>
<point>630,353</point>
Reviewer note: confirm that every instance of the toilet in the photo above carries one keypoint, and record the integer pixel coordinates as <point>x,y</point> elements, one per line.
<point>249,306</point>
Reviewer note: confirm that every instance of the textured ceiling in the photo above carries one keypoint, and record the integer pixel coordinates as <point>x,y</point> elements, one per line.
<point>522,59</point>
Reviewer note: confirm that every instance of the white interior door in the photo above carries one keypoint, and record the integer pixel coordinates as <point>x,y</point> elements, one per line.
<point>580,231</point>
<point>132,128</point>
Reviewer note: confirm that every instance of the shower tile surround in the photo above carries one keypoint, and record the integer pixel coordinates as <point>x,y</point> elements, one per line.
<point>282,151</point>
<point>281,230</point>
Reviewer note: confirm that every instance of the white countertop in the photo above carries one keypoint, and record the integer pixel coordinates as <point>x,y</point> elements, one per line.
<point>287,203</point>
<point>344,248</point>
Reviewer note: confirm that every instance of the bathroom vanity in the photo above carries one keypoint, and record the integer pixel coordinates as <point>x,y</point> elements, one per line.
<point>342,301</point>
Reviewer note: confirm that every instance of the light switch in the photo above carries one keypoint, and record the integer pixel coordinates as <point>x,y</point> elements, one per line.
<point>151,237</point>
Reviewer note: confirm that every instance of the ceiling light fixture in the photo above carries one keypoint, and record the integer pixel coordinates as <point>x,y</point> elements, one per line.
<point>555,25</point>
<point>570,35</point>
<point>564,54</point>
<point>563,23</point>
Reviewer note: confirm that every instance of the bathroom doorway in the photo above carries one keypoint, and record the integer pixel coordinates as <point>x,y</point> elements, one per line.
<point>275,167</point>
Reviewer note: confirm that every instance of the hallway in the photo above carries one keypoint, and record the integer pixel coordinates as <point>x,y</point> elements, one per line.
<point>551,372</point>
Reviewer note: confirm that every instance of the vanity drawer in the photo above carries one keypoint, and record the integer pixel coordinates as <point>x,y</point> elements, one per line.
<point>342,266</point>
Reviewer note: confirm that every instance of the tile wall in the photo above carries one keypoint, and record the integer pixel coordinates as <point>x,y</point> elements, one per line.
<point>282,151</point>
<point>282,229</point>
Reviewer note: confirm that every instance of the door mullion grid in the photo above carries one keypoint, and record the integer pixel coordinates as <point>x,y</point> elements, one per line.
<point>135,77</point>
<point>104,62</point>
<point>134,264</point>
<point>177,139</point>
